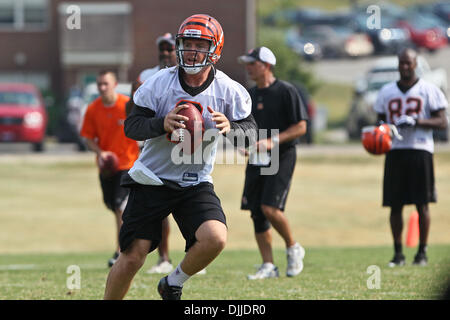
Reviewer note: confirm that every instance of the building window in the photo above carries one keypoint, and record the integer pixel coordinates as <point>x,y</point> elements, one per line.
<point>24,15</point>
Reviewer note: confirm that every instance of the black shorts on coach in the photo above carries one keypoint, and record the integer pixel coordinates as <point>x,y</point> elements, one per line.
<point>270,190</point>
<point>148,206</point>
<point>113,193</point>
<point>408,178</point>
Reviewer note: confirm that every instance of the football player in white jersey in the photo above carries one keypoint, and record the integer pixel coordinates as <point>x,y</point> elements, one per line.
<point>415,107</point>
<point>159,185</point>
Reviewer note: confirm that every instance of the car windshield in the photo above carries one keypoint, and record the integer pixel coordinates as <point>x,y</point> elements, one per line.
<point>17,98</point>
<point>376,85</point>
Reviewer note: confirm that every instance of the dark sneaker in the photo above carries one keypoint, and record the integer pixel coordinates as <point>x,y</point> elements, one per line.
<point>420,259</point>
<point>168,292</point>
<point>113,259</point>
<point>397,261</point>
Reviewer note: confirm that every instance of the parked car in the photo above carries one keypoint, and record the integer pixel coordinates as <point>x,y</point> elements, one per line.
<point>331,42</point>
<point>366,90</point>
<point>76,106</point>
<point>435,14</point>
<point>388,38</point>
<point>23,116</point>
<point>306,48</point>
<point>425,32</point>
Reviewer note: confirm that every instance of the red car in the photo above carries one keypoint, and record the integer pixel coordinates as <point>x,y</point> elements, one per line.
<point>23,117</point>
<point>424,33</point>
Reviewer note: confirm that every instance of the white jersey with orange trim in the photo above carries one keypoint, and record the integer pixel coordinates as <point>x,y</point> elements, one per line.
<point>161,93</point>
<point>419,101</point>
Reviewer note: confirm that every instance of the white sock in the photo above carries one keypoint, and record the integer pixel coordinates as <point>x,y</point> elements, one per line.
<point>295,245</point>
<point>177,277</point>
<point>267,265</point>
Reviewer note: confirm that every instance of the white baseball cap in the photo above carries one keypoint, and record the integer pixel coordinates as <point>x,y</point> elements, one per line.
<point>167,37</point>
<point>262,54</point>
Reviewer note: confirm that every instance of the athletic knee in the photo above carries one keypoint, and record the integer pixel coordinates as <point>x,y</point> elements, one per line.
<point>396,211</point>
<point>422,210</point>
<point>260,222</point>
<point>213,235</point>
<point>270,212</point>
<point>133,260</point>
<point>134,257</point>
<point>217,240</point>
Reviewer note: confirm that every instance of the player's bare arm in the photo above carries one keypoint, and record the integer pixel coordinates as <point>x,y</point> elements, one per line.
<point>291,133</point>
<point>295,131</point>
<point>438,120</point>
<point>92,145</point>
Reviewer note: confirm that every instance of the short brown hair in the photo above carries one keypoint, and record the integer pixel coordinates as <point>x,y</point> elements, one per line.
<point>106,71</point>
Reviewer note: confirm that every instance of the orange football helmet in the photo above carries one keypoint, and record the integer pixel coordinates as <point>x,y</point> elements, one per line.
<point>200,26</point>
<point>378,139</point>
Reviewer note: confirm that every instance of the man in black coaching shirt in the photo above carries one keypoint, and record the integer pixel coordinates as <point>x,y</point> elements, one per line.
<point>276,107</point>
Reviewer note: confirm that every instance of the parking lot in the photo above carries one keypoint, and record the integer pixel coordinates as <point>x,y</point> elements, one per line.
<point>348,70</point>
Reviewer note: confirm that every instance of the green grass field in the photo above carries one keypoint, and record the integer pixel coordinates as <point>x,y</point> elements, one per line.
<point>329,273</point>
<point>52,217</point>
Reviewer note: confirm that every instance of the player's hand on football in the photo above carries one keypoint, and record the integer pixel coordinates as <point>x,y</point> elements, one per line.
<point>172,119</point>
<point>405,121</point>
<point>222,122</point>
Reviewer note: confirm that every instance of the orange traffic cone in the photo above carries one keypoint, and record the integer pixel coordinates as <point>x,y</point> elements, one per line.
<point>412,236</point>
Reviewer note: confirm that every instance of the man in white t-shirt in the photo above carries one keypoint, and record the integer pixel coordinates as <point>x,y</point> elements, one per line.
<point>415,107</point>
<point>159,184</point>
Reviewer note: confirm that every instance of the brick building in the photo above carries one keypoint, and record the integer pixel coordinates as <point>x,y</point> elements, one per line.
<point>59,44</point>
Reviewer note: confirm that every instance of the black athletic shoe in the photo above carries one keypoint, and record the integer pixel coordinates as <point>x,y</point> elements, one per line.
<point>420,259</point>
<point>113,259</point>
<point>168,292</point>
<point>397,261</point>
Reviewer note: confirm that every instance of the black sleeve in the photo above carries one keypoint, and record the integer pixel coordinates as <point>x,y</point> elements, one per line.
<point>141,124</point>
<point>243,130</point>
<point>296,108</point>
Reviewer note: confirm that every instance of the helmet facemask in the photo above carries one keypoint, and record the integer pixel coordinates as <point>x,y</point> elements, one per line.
<point>198,66</point>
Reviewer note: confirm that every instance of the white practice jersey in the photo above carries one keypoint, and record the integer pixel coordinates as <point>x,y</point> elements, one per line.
<point>161,93</point>
<point>147,73</point>
<point>419,102</point>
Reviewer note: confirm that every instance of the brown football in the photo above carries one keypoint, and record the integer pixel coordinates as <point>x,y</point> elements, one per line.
<point>109,166</point>
<point>195,128</point>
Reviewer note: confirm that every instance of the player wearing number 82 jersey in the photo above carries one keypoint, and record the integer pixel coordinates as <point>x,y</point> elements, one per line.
<point>418,102</point>
<point>416,108</point>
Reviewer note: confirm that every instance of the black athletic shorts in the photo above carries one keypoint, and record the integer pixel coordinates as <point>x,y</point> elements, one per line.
<point>148,206</point>
<point>114,194</point>
<point>408,178</point>
<point>270,190</point>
